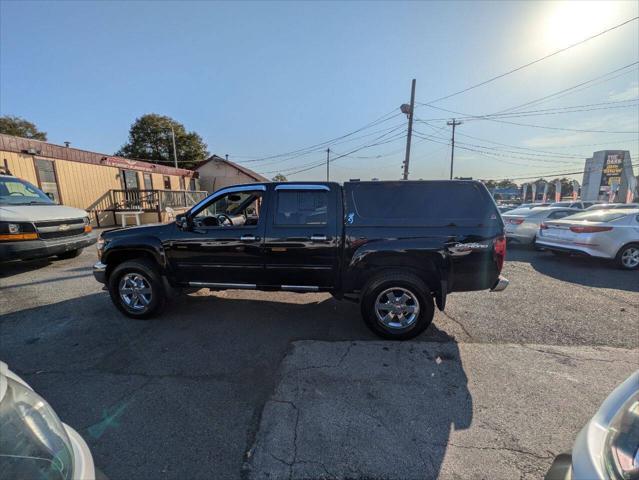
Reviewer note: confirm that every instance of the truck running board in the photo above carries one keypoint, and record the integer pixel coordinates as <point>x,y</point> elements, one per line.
<point>252,286</point>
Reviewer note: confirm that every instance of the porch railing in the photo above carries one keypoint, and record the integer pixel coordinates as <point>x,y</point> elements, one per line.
<point>144,200</point>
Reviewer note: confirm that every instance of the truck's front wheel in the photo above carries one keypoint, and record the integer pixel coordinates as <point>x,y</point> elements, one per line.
<point>397,306</point>
<point>136,289</point>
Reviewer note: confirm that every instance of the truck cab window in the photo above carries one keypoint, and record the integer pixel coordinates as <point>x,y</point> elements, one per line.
<point>301,208</point>
<point>235,209</point>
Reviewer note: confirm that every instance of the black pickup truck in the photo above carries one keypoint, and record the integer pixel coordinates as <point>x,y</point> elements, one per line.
<point>396,247</point>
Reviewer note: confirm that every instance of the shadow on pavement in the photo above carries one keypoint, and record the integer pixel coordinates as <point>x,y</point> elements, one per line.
<point>8,269</point>
<point>582,270</point>
<point>198,375</point>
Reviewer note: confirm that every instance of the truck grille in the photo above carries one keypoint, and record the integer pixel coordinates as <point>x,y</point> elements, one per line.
<point>51,229</point>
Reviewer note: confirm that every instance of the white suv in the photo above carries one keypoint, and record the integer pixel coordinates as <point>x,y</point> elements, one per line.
<point>34,226</point>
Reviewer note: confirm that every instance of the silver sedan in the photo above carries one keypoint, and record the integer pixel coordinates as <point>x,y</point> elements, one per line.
<point>522,224</point>
<point>612,234</point>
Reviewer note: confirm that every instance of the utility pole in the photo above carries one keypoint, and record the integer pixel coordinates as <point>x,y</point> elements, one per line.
<point>408,110</point>
<point>328,161</point>
<point>452,123</point>
<point>174,149</point>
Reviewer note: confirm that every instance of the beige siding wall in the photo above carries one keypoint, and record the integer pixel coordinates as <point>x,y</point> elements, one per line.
<point>80,184</point>
<point>20,165</point>
<point>216,175</point>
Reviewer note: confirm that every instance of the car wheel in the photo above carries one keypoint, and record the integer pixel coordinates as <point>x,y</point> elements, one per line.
<point>397,306</point>
<point>70,254</point>
<point>136,289</point>
<point>628,257</point>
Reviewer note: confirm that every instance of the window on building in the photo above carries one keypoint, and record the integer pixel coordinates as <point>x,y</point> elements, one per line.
<point>182,183</point>
<point>47,179</point>
<point>193,185</point>
<point>301,208</point>
<point>148,181</point>
<point>129,180</point>
<point>167,182</point>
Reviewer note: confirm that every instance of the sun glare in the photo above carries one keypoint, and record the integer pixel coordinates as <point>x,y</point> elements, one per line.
<point>571,21</point>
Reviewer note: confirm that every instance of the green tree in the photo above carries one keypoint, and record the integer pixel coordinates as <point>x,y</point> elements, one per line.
<point>490,184</point>
<point>20,127</point>
<point>506,184</point>
<point>279,178</point>
<point>150,139</point>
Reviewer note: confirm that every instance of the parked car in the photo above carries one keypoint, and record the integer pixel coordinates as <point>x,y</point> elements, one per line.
<point>34,443</point>
<point>534,205</point>
<point>393,246</point>
<point>578,204</point>
<point>612,206</point>
<point>607,447</point>
<point>34,226</point>
<point>522,224</point>
<point>505,208</point>
<point>612,234</point>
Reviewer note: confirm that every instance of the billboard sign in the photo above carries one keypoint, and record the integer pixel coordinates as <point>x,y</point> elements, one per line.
<point>611,173</point>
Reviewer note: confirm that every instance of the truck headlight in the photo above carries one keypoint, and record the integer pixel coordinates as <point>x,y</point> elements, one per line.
<point>100,245</point>
<point>621,456</point>
<point>15,231</point>
<point>33,441</point>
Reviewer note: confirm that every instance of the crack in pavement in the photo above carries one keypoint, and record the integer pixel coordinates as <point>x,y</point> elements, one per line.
<point>583,359</point>
<point>461,325</point>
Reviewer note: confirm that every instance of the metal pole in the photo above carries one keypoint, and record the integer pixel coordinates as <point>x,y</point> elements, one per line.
<point>174,149</point>
<point>410,128</point>
<point>454,123</point>
<point>328,161</point>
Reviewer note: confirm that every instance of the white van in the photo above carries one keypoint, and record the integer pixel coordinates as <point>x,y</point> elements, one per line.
<point>34,226</point>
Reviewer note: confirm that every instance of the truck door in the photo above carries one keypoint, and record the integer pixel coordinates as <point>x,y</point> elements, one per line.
<point>224,244</point>
<point>302,236</point>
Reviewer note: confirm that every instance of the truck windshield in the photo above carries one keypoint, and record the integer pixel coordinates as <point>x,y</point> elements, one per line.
<point>14,191</point>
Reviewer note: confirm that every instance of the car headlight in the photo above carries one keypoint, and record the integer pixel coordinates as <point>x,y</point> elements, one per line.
<point>33,441</point>
<point>15,231</point>
<point>621,457</point>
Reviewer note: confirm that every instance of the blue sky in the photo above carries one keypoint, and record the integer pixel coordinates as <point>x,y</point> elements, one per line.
<point>258,79</point>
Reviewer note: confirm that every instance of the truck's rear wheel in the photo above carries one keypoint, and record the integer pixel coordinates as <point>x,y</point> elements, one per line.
<point>397,306</point>
<point>136,289</point>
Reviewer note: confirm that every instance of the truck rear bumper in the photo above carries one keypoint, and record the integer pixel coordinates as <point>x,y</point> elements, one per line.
<point>500,285</point>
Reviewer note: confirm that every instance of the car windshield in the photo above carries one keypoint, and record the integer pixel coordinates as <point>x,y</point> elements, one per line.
<point>598,216</point>
<point>14,191</point>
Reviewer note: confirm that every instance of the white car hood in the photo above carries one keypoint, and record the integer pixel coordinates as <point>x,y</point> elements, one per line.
<point>36,213</point>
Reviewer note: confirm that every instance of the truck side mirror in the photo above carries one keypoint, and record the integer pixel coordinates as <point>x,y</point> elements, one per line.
<point>183,221</point>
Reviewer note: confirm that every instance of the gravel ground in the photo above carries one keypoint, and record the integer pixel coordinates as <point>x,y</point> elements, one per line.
<point>184,396</point>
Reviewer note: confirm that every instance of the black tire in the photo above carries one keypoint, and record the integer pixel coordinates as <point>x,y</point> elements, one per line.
<point>626,249</point>
<point>397,282</point>
<point>152,280</point>
<point>70,254</point>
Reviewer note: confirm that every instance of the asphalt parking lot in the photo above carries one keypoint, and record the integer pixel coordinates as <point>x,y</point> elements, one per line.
<point>278,385</point>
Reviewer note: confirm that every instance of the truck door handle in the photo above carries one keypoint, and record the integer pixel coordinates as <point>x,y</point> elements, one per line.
<point>318,238</point>
<point>249,238</point>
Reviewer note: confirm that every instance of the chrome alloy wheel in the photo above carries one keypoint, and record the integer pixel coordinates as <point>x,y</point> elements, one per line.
<point>135,291</point>
<point>630,257</point>
<point>396,308</point>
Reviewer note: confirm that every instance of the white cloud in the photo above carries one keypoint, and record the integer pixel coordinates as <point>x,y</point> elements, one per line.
<point>630,93</point>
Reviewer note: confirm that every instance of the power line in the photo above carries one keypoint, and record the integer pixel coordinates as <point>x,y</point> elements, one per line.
<point>479,117</point>
<point>543,175</point>
<point>532,62</point>
<point>322,145</point>
<point>568,90</point>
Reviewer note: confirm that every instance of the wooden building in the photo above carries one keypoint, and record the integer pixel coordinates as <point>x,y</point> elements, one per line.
<point>217,172</point>
<point>99,183</point>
